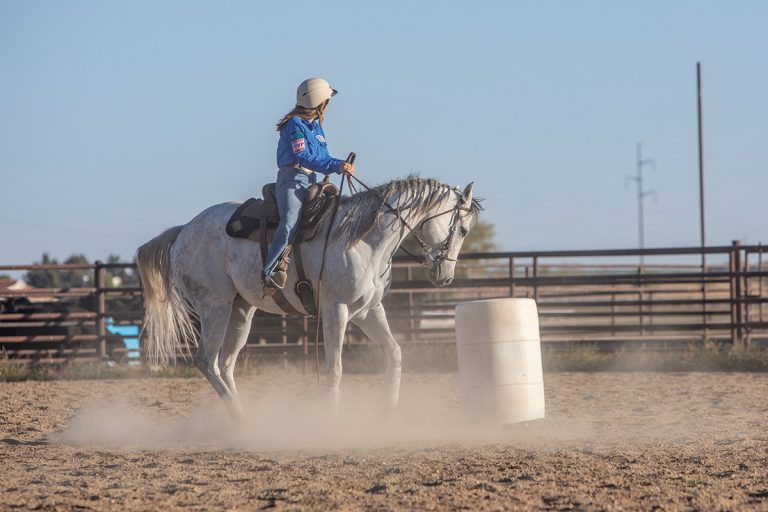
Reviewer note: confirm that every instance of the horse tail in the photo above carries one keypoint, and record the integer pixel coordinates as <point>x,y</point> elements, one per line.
<point>168,318</point>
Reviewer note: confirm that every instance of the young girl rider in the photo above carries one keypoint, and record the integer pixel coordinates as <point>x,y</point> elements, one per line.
<point>302,153</point>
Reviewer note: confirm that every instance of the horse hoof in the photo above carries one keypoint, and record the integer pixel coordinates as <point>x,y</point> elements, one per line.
<point>235,412</point>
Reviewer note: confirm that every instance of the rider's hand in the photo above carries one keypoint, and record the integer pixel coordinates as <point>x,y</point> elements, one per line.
<point>347,168</point>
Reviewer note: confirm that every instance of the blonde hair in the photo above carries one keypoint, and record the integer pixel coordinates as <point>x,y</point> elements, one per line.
<point>307,114</point>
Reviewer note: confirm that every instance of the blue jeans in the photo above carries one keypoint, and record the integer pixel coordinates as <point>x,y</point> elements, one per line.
<point>291,191</point>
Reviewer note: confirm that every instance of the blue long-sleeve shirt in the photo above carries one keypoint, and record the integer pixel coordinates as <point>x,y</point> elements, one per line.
<point>303,142</point>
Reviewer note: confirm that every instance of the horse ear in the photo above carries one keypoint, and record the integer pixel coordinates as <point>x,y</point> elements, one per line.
<point>467,196</point>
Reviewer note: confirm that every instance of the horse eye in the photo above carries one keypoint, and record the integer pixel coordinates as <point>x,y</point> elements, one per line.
<point>463,231</point>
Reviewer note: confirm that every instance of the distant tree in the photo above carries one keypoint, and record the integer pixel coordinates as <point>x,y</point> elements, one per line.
<point>481,239</point>
<point>117,277</point>
<point>5,276</point>
<point>120,277</point>
<point>44,278</point>
<point>60,278</point>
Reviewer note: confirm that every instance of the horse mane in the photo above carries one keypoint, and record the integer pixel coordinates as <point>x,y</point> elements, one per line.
<point>365,208</point>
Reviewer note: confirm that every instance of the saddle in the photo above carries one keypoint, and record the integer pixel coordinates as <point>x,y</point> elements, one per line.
<point>256,219</point>
<point>251,217</point>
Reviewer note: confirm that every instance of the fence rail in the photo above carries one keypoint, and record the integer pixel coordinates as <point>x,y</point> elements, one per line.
<point>654,296</point>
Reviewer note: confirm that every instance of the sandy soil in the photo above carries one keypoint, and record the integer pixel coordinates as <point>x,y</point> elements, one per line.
<point>611,441</point>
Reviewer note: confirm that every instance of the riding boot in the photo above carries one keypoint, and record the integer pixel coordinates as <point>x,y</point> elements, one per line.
<point>274,282</point>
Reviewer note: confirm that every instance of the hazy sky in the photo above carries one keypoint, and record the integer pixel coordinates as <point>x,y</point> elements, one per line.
<point>120,119</point>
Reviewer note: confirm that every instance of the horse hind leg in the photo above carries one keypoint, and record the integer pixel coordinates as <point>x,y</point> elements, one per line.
<point>238,328</point>
<point>213,328</point>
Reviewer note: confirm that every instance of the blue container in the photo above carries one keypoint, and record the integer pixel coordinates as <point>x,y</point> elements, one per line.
<point>130,334</point>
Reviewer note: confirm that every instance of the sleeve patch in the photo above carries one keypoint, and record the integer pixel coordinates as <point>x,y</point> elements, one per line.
<point>298,134</point>
<point>298,146</point>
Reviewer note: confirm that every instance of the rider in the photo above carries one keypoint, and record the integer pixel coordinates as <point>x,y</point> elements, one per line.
<point>302,152</point>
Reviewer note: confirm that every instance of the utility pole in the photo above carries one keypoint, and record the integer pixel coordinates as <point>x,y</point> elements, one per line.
<point>701,167</point>
<point>702,230</point>
<point>641,195</point>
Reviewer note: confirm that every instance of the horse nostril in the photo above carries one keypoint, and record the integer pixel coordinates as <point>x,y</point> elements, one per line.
<point>447,281</point>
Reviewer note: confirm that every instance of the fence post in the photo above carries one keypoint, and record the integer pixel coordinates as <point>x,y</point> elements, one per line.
<point>101,308</point>
<point>411,321</point>
<point>733,273</point>
<point>640,299</point>
<point>746,305</point>
<point>528,286</point>
<point>650,308</point>
<point>511,276</point>
<point>536,278</point>
<point>739,302</point>
<point>704,304</point>
<point>760,279</point>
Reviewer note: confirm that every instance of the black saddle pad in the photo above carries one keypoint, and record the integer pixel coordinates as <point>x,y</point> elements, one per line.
<point>246,221</point>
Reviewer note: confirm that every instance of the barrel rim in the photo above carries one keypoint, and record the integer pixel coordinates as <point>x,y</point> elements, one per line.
<point>498,299</point>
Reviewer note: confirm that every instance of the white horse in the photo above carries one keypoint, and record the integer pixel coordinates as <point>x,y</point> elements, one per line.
<point>197,270</point>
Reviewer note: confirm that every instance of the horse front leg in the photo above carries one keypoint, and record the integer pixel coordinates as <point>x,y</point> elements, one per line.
<point>335,318</point>
<point>375,325</point>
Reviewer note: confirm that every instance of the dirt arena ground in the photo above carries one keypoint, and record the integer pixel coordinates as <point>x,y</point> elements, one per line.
<point>630,441</point>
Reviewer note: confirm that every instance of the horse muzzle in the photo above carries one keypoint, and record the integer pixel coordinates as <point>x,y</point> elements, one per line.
<point>439,278</point>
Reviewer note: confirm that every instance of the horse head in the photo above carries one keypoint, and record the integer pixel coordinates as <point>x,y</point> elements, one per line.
<point>444,233</point>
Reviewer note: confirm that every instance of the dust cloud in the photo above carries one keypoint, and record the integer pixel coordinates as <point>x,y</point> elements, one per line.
<point>286,410</point>
<point>290,412</point>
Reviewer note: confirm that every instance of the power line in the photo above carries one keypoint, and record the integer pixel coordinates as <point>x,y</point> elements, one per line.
<point>640,162</point>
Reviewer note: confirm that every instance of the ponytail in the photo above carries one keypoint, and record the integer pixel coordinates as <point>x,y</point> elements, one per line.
<point>307,114</point>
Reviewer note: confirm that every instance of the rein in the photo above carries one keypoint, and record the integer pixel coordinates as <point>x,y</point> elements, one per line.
<point>418,259</point>
<point>393,210</point>
<point>350,159</point>
<point>442,249</point>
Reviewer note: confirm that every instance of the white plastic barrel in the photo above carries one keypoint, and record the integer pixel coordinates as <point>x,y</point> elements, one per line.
<point>500,374</point>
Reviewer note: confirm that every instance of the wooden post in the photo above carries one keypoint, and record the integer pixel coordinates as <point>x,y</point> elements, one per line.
<point>650,308</point>
<point>732,292</point>
<point>511,276</point>
<point>739,298</point>
<point>702,225</point>
<point>704,305</point>
<point>527,274</point>
<point>746,305</point>
<point>640,299</point>
<point>101,308</point>
<point>760,280</point>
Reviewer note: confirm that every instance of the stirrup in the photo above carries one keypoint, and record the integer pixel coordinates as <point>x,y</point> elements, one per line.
<point>276,280</point>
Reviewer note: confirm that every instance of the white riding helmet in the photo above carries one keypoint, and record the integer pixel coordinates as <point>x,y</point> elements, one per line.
<point>312,92</point>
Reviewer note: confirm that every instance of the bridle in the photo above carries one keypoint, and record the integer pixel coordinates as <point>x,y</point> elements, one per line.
<point>439,253</point>
<point>432,255</point>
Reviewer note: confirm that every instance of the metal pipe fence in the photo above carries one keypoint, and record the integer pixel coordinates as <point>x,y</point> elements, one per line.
<point>652,297</point>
